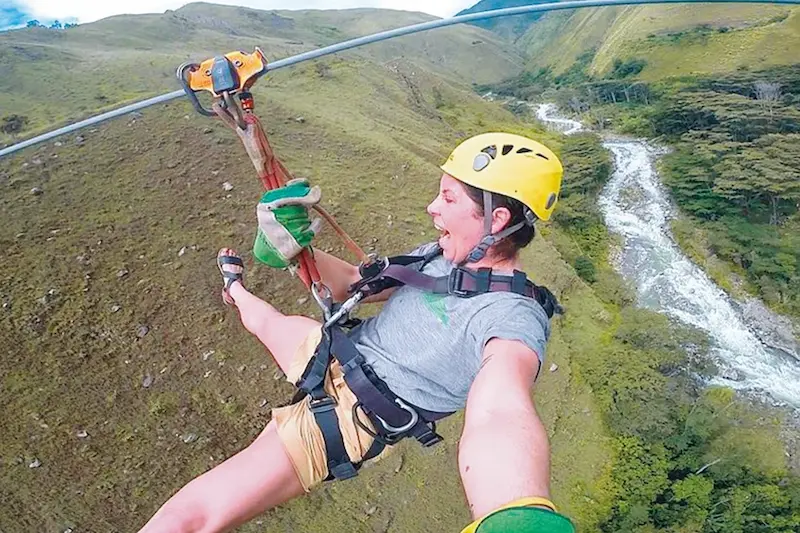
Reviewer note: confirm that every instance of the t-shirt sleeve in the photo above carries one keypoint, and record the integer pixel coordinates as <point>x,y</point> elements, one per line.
<point>423,249</point>
<point>514,319</point>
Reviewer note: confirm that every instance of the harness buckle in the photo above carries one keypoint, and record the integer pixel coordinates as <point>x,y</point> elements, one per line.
<point>343,471</point>
<point>429,438</point>
<point>454,283</point>
<point>321,405</point>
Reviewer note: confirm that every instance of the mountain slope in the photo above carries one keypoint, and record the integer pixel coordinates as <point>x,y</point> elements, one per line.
<point>124,376</point>
<point>672,39</point>
<point>509,27</point>
<point>55,75</point>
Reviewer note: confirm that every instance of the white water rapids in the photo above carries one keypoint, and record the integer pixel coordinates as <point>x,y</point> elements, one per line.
<point>636,207</point>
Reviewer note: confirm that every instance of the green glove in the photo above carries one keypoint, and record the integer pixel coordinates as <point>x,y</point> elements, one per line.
<point>284,227</point>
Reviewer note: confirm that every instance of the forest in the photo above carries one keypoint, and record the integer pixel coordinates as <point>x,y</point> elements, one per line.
<point>734,162</point>
<point>686,458</point>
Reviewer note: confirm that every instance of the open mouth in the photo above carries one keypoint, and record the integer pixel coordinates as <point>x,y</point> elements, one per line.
<point>443,233</point>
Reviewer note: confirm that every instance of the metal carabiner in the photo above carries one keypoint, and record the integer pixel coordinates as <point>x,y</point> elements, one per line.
<point>410,424</point>
<point>325,302</point>
<point>345,309</point>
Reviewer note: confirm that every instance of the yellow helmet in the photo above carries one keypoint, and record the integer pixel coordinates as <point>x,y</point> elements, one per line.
<point>511,165</point>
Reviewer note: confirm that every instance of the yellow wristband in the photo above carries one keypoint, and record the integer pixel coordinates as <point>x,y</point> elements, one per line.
<point>532,502</point>
<point>523,502</point>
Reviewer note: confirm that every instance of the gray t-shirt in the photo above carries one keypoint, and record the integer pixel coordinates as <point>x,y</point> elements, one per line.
<point>428,347</point>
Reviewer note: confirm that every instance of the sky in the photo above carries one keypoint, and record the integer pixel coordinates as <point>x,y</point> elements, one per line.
<point>15,13</point>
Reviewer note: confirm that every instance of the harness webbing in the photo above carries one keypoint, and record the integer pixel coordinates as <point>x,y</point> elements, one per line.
<point>392,418</point>
<point>460,282</point>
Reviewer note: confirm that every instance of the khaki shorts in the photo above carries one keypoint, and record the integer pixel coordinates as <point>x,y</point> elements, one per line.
<point>298,429</point>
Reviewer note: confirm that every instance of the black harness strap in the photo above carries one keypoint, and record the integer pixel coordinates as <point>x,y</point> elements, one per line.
<point>402,270</point>
<point>393,418</point>
<point>384,408</point>
<point>324,409</point>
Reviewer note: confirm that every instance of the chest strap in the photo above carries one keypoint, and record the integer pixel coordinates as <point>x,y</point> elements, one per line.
<point>462,282</point>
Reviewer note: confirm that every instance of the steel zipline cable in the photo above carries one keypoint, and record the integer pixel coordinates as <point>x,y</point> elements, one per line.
<point>374,38</point>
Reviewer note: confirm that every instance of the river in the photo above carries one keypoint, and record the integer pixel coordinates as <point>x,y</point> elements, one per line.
<point>637,207</point>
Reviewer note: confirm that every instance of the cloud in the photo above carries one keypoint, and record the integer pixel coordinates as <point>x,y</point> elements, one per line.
<point>12,16</point>
<point>91,10</point>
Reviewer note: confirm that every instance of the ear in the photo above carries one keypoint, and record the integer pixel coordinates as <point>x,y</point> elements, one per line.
<point>501,218</point>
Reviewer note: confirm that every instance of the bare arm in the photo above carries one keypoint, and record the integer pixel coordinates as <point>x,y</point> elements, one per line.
<point>336,273</point>
<point>339,275</point>
<point>504,454</point>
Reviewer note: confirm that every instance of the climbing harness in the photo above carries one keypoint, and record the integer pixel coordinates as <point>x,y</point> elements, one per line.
<point>391,417</point>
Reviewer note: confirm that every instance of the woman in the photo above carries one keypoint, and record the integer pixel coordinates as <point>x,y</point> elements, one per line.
<point>436,352</point>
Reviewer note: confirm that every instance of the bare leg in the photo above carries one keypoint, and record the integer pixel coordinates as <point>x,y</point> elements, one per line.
<point>281,334</point>
<point>251,482</point>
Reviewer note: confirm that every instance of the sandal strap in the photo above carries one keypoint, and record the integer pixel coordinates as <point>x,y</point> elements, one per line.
<point>230,260</point>
<point>230,277</point>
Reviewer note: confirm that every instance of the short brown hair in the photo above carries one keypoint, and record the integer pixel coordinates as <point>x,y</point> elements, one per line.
<point>511,245</point>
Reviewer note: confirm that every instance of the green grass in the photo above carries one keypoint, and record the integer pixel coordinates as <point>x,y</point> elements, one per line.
<point>674,40</point>
<point>135,193</point>
<point>58,76</point>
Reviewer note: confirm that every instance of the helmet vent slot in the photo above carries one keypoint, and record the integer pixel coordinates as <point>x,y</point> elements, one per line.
<point>544,157</point>
<point>491,150</point>
<point>507,148</point>
<point>524,151</point>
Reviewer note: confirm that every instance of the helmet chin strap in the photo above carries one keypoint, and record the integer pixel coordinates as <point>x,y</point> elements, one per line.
<point>489,239</point>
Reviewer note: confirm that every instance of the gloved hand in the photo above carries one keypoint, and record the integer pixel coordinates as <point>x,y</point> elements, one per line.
<point>284,227</point>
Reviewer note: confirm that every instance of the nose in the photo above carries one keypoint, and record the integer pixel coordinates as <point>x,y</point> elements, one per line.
<point>433,207</point>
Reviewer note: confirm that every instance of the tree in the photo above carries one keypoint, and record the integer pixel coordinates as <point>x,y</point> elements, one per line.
<point>13,124</point>
<point>56,25</point>
<point>767,94</point>
<point>767,169</point>
<point>33,24</point>
<point>585,269</point>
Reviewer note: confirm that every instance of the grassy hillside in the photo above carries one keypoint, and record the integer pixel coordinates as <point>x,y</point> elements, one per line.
<point>673,40</point>
<point>114,332</point>
<point>52,76</point>
<point>124,376</point>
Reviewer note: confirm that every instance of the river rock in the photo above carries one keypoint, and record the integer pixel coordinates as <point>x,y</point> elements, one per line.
<point>36,191</point>
<point>82,434</point>
<point>36,463</point>
<point>771,328</point>
<point>227,186</point>
<point>731,374</point>
<point>553,367</point>
<point>147,381</point>
<point>189,438</point>
<point>142,331</point>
